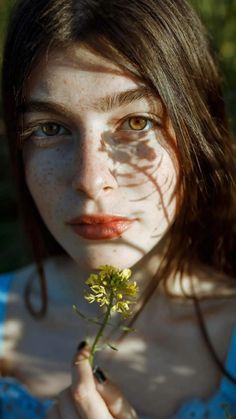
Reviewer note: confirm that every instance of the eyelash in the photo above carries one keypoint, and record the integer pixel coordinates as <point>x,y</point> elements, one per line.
<point>31,131</point>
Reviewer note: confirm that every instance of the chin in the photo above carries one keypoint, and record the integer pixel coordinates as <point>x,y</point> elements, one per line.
<point>90,257</point>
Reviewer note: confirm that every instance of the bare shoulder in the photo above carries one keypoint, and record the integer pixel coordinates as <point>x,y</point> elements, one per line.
<point>20,278</point>
<point>16,311</point>
<point>15,308</point>
<point>24,276</point>
<point>217,299</point>
<point>18,323</point>
<point>14,316</point>
<point>207,283</point>
<point>21,275</point>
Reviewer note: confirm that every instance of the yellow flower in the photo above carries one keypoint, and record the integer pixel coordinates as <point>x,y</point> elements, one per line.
<point>111,287</point>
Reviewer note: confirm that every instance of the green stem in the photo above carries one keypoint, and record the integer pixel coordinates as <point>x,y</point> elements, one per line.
<point>101,330</point>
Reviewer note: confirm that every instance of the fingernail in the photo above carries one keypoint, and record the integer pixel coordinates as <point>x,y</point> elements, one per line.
<point>81,345</point>
<point>99,374</point>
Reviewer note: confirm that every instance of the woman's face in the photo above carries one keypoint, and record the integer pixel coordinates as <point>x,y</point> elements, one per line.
<point>97,160</point>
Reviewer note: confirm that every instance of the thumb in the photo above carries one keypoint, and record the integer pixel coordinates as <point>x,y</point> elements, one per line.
<point>88,402</point>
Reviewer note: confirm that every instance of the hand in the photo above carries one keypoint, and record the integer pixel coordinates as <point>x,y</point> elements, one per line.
<point>91,395</point>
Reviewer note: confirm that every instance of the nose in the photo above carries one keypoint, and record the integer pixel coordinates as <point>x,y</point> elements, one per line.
<point>93,170</point>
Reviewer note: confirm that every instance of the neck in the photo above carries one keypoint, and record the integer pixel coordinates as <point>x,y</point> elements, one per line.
<point>66,279</point>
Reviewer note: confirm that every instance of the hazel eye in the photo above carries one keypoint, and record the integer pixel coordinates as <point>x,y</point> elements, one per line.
<point>50,129</point>
<point>137,123</point>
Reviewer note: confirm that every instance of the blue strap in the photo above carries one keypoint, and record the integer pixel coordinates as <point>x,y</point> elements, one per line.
<point>5,283</point>
<point>226,386</point>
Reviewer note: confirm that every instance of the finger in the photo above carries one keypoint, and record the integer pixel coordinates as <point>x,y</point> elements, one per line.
<point>117,404</point>
<point>81,370</point>
<point>88,402</point>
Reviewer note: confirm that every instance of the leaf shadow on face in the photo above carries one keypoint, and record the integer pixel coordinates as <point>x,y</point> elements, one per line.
<point>135,163</point>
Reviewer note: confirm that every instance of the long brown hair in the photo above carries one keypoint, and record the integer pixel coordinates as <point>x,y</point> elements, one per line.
<point>164,43</point>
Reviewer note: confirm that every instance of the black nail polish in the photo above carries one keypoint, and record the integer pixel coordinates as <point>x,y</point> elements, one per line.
<point>99,374</point>
<point>81,345</point>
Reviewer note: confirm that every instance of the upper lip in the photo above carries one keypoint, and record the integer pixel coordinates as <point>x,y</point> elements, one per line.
<point>98,219</point>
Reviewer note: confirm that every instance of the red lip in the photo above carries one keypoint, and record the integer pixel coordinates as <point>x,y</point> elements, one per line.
<point>100,227</point>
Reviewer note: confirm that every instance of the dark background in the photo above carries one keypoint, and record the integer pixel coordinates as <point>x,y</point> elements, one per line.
<point>220,19</point>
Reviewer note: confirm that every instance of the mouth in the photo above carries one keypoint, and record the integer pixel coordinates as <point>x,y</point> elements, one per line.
<point>100,226</point>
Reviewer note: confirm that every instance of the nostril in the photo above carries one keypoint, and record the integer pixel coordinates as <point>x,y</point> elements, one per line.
<point>107,188</point>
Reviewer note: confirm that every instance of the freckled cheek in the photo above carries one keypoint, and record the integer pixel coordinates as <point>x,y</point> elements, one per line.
<point>44,176</point>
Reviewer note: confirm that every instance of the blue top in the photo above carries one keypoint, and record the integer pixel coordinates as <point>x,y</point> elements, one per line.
<point>17,403</point>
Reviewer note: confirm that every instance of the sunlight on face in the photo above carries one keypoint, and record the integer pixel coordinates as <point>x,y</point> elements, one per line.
<point>95,143</point>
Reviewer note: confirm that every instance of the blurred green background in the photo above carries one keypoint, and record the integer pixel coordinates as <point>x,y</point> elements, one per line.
<point>220,19</point>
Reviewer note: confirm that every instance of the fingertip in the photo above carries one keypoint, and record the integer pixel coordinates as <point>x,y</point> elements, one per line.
<point>81,345</point>
<point>82,353</point>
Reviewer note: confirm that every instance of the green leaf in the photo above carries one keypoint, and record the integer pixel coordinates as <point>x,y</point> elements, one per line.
<point>94,320</point>
<point>79,312</point>
<point>127,329</point>
<point>112,347</point>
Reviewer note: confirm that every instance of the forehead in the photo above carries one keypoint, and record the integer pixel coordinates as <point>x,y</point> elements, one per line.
<point>77,66</point>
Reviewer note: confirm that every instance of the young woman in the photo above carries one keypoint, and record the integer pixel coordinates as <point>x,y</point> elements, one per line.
<point>122,156</point>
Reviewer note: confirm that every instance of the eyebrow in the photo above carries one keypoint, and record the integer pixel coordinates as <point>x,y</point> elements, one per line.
<point>105,104</point>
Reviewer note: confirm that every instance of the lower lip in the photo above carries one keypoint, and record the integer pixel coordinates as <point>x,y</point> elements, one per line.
<point>101,231</point>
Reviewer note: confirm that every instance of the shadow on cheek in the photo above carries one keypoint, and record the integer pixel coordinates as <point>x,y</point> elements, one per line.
<point>145,151</point>
<point>149,161</point>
